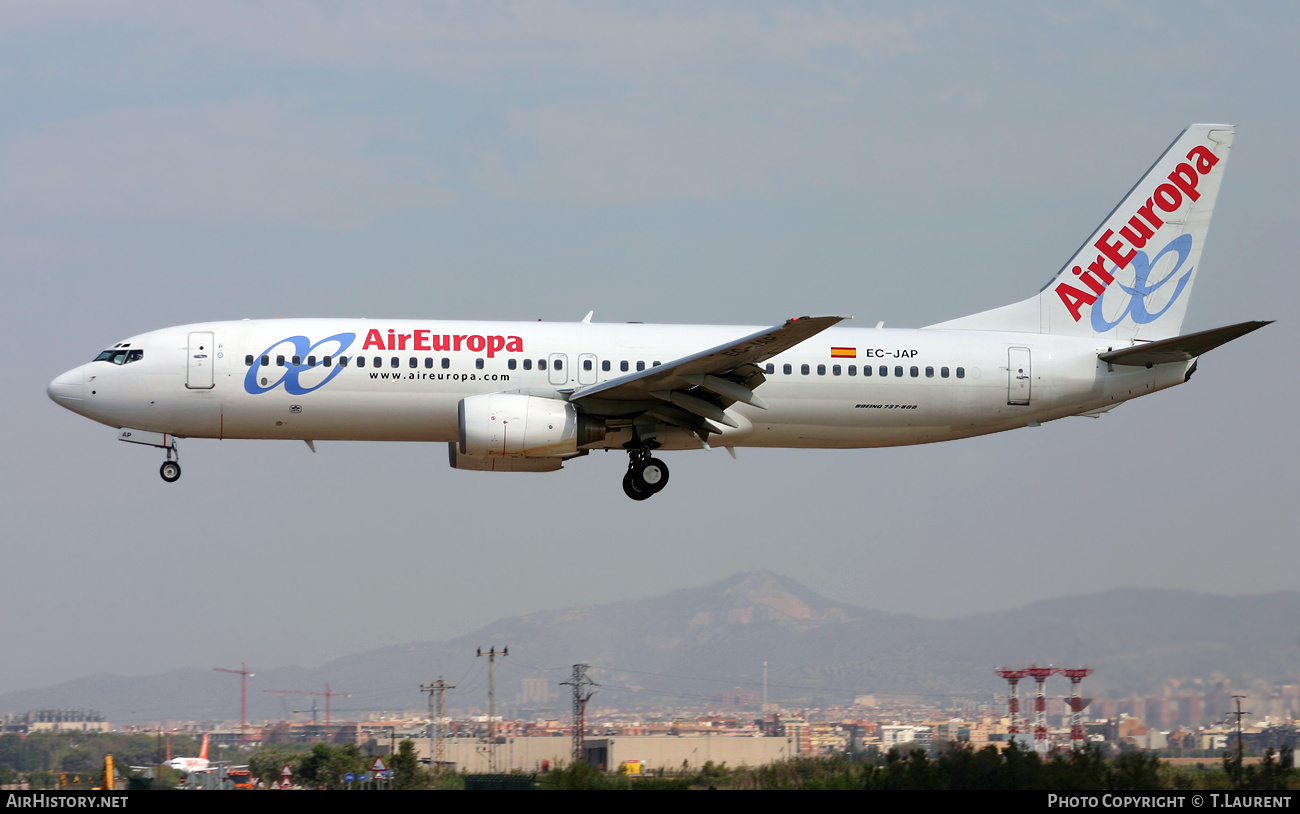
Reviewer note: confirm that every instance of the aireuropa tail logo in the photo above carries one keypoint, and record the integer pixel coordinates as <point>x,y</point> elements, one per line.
<point>1143,287</point>
<point>292,359</point>
<point>1125,249</point>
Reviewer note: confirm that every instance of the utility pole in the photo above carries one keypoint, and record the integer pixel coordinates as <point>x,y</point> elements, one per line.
<point>580,682</point>
<point>1240,753</point>
<point>438,714</point>
<point>492,703</point>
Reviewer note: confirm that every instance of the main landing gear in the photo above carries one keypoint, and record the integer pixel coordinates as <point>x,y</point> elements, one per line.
<point>645,475</point>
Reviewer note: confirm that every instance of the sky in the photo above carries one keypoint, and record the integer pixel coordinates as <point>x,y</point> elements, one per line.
<point>731,163</point>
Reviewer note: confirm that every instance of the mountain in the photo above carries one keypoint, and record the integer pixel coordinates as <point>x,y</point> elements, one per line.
<point>684,648</point>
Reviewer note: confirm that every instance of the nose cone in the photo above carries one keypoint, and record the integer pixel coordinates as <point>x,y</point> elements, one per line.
<point>66,391</point>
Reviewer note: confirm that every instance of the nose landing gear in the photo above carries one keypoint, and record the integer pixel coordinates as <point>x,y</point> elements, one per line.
<point>645,475</point>
<point>171,470</point>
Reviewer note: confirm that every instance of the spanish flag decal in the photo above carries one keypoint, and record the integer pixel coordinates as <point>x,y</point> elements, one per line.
<point>844,353</point>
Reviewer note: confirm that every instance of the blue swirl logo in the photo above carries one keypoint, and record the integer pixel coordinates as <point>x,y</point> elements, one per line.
<point>292,374</point>
<point>1143,288</point>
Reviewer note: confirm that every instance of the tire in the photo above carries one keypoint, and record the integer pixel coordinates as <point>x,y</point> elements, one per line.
<point>170,471</point>
<point>650,475</point>
<point>631,490</point>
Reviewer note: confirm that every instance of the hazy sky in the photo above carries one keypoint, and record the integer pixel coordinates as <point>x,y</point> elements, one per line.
<point>167,163</point>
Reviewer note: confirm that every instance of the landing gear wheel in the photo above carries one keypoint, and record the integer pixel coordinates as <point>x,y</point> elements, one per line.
<point>170,471</point>
<point>630,488</point>
<point>650,474</point>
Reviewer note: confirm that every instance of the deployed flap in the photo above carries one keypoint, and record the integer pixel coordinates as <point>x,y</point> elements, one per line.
<point>678,374</point>
<point>1180,348</point>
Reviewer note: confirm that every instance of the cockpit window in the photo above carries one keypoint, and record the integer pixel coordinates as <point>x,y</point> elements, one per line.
<point>120,356</point>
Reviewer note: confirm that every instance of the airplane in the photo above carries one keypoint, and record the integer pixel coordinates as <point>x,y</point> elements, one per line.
<point>188,765</point>
<point>529,396</point>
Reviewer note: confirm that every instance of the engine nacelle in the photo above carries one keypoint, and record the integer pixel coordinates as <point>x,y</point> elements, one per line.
<point>498,463</point>
<point>513,424</point>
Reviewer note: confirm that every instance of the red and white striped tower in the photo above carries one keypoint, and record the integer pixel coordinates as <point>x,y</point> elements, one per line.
<point>1013,698</point>
<point>1040,675</point>
<point>1076,675</point>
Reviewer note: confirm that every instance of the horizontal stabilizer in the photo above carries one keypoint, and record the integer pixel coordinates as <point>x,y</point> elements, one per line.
<point>1180,348</point>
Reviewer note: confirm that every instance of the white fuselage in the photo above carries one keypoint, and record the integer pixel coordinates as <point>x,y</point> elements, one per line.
<point>403,380</point>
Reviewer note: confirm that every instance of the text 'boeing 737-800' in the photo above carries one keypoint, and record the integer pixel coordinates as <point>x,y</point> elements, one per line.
<point>529,396</point>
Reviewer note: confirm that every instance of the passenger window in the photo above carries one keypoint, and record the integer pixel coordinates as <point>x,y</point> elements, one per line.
<point>961,372</point>
<point>654,364</point>
<point>884,371</point>
<point>393,361</point>
<point>559,364</point>
<point>853,370</point>
<point>770,369</point>
<point>279,361</point>
<point>377,362</point>
<point>248,360</point>
<point>512,364</point>
<point>428,363</point>
<point>326,361</point>
<point>835,370</point>
<point>787,369</point>
<point>640,365</point>
<point>943,372</point>
<point>605,365</point>
<point>929,372</point>
<point>361,361</point>
<point>866,370</point>
<point>898,371</point>
<point>478,363</point>
<point>413,362</point>
<point>266,360</point>
<point>623,366</point>
<point>343,361</point>
<point>541,364</point>
<point>446,363</point>
<point>804,369</point>
<point>528,364</point>
<point>821,370</point>
<point>586,364</point>
<point>297,361</point>
<point>311,361</point>
<point>915,371</point>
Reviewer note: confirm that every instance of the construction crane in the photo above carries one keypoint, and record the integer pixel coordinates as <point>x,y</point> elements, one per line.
<point>328,695</point>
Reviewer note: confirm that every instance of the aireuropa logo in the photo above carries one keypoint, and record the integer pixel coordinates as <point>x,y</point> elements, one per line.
<point>1119,251</point>
<point>1143,287</point>
<point>298,374</point>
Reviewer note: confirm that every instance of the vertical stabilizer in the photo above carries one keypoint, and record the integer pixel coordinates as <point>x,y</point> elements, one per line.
<point>1133,276</point>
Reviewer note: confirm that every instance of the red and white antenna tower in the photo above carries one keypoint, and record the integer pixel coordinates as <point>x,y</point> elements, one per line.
<point>1013,698</point>
<point>1040,675</point>
<point>1076,675</point>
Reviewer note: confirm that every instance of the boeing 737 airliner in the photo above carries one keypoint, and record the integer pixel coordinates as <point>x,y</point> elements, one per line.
<point>526,397</point>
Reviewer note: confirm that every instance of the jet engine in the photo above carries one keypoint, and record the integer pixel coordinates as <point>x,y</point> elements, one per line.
<point>514,424</point>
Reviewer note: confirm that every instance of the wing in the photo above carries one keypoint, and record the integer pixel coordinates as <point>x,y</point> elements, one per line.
<point>694,391</point>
